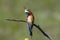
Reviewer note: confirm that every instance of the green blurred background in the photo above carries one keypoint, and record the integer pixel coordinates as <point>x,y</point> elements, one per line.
<point>46,12</point>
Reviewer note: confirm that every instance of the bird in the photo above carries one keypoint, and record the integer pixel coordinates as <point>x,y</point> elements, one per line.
<point>30,23</point>
<point>29,20</point>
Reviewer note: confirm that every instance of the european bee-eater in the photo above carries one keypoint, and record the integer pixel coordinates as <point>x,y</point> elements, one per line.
<point>29,20</point>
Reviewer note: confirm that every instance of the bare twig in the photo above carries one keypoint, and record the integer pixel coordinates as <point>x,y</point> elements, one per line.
<point>45,34</point>
<point>37,26</point>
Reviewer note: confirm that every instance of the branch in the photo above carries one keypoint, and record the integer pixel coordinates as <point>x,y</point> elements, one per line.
<point>40,29</point>
<point>16,20</point>
<point>37,26</point>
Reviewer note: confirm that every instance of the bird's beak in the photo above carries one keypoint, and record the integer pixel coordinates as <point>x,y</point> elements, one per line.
<point>26,10</point>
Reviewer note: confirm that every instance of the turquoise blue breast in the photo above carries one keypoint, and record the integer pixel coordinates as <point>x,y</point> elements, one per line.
<point>27,14</point>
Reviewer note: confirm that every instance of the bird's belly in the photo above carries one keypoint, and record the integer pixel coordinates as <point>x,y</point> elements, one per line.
<point>29,19</point>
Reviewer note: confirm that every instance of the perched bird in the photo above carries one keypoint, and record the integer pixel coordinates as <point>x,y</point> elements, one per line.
<point>30,20</point>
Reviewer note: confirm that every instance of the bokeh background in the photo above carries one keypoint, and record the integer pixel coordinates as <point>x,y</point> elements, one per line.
<point>46,12</point>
